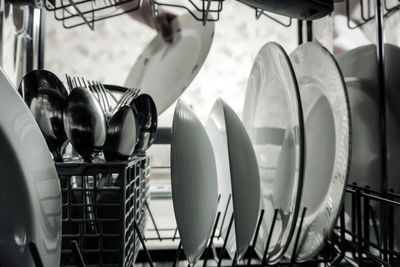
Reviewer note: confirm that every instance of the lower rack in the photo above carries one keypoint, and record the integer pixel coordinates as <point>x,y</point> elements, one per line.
<point>365,236</point>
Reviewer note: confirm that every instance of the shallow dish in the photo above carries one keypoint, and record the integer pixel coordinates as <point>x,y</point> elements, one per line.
<point>274,119</point>
<point>245,180</point>
<point>194,182</point>
<point>359,66</point>
<point>164,71</point>
<point>216,131</point>
<point>327,132</point>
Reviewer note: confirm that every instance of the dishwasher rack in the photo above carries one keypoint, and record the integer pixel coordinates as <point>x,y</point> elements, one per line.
<point>351,241</point>
<point>118,193</point>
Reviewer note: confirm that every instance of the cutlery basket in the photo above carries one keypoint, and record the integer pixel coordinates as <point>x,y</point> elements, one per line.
<point>118,192</point>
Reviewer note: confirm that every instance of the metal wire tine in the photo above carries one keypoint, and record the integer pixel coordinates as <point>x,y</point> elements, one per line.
<point>68,81</point>
<point>101,99</point>
<point>71,82</point>
<point>137,92</point>
<point>76,81</point>
<point>108,92</point>
<point>121,101</point>
<point>128,99</point>
<point>104,93</point>
<point>83,82</point>
<point>129,96</point>
<point>92,89</point>
<point>133,95</point>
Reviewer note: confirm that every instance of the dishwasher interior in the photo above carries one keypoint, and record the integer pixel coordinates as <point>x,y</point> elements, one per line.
<point>145,233</point>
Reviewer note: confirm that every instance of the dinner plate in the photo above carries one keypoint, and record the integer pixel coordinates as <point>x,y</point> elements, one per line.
<point>194,181</point>
<point>365,158</point>
<point>216,131</point>
<point>327,132</point>
<point>361,63</point>
<point>30,196</point>
<point>163,70</point>
<point>273,117</point>
<point>245,180</point>
<point>359,66</point>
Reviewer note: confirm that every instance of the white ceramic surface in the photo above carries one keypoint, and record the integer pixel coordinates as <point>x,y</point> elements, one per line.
<point>194,181</point>
<point>327,125</point>
<point>361,63</point>
<point>360,69</point>
<point>245,180</point>
<point>164,70</point>
<point>273,117</point>
<point>216,131</point>
<point>30,196</point>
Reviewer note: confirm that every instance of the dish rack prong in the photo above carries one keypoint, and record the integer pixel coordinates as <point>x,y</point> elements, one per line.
<point>74,13</point>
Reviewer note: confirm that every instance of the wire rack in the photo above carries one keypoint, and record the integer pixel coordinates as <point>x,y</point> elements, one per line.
<point>73,13</point>
<point>118,192</point>
<point>358,240</point>
<point>201,10</point>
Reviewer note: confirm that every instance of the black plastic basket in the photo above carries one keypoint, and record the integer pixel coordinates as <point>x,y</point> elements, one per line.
<point>101,202</point>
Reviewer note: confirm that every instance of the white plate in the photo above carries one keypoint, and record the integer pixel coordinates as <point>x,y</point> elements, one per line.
<point>273,117</point>
<point>164,70</point>
<point>194,181</point>
<point>245,180</point>
<point>327,131</point>
<point>361,63</point>
<point>360,69</point>
<point>30,196</point>
<point>216,131</point>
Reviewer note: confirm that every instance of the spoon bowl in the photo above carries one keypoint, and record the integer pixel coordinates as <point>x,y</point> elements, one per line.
<point>121,135</point>
<point>45,95</point>
<point>47,109</point>
<point>147,120</point>
<point>84,123</point>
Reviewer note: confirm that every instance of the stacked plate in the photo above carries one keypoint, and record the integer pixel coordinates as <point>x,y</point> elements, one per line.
<point>285,166</point>
<point>298,117</point>
<point>359,68</point>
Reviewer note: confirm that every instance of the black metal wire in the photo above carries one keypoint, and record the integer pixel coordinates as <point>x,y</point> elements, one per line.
<point>86,12</point>
<point>37,260</point>
<point>365,18</point>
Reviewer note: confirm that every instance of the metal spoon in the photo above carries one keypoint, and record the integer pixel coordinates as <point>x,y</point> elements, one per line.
<point>121,135</point>
<point>47,109</point>
<point>85,126</point>
<point>147,120</point>
<point>84,123</point>
<point>45,95</point>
